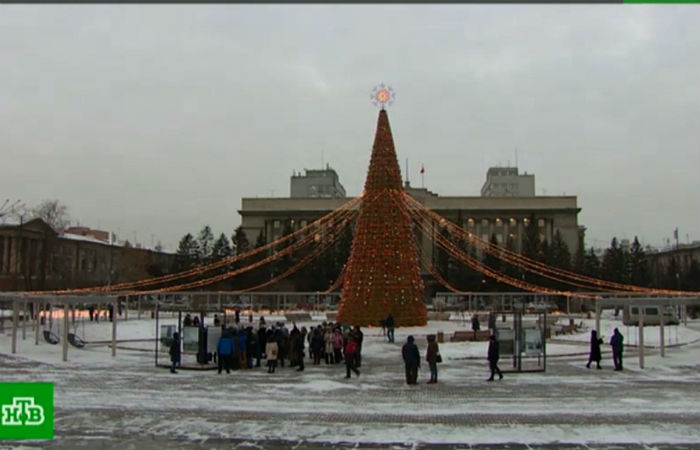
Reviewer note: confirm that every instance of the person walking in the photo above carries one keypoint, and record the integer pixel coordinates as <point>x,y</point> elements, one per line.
<point>175,352</point>
<point>359,337</point>
<point>224,348</point>
<point>493,355</point>
<point>594,355</point>
<point>617,346</point>
<point>411,359</point>
<point>432,355</point>
<point>389,322</point>
<point>350,358</point>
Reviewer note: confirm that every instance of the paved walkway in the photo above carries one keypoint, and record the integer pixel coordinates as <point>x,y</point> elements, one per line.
<point>132,404</point>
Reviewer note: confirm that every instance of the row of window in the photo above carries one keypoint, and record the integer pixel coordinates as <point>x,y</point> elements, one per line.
<point>278,223</point>
<point>471,222</point>
<point>511,236</point>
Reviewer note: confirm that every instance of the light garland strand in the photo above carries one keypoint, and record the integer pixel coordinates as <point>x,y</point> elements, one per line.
<point>306,260</point>
<point>279,254</point>
<point>531,265</point>
<point>479,267</point>
<point>201,269</point>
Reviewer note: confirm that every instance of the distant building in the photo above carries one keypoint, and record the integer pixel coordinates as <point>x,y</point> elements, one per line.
<point>100,235</point>
<point>323,183</point>
<point>506,182</point>
<point>33,256</point>
<point>504,217</point>
<point>680,258</point>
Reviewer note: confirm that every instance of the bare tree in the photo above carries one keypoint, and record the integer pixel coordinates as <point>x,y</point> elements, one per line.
<point>14,209</point>
<point>54,213</point>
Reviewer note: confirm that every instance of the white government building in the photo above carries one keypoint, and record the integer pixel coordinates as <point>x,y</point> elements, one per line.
<point>506,205</point>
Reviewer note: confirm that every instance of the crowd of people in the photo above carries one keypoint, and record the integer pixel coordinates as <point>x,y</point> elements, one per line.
<point>245,347</point>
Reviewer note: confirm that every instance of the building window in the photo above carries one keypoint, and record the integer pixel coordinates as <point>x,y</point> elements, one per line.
<point>540,223</point>
<point>303,223</point>
<point>484,222</point>
<point>499,222</point>
<point>470,222</point>
<point>499,238</point>
<point>513,222</point>
<point>276,224</point>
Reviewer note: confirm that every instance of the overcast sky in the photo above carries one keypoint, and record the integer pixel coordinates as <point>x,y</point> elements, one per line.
<point>154,120</point>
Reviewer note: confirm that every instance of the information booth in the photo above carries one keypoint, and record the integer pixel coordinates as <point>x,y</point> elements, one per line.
<point>197,342</point>
<point>521,338</point>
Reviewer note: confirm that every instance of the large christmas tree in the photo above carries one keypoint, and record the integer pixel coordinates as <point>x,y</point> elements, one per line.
<point>382,274</point>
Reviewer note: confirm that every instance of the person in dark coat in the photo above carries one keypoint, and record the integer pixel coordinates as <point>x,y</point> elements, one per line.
<point>431,355</point>
<point>225,350</point>
<point>411,359</point>
<point>492,320</point>
<point>476,326</point>
<point>389,322</point>
<point>595,350</point>
<point>359,337</point>
<point>175,352</point>
<point>282,346</point>
<point>187,321</point>
<point>296,348</point>
<point>349,352</point>
<point>262,342</point>
<point>616,343</point>
<point>316,345</point>
<point>493,355</point>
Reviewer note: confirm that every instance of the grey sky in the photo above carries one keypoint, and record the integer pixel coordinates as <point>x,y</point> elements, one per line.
<point>157,119</point>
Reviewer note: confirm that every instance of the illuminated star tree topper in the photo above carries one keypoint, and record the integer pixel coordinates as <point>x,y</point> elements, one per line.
<point>382,95</point>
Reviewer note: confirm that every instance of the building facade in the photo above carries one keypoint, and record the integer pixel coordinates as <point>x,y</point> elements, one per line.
<point>506,182</point>
<point>322,183</point>
<point>35,257</point>
<point>678,259</point>
<point>502,217</point>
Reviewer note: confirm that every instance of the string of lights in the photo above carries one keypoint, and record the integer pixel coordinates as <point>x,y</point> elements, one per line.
<point>349,214</point>
<point>534,266</point>
<point>230,274</point>
<point>202,269</point>
<point>481,268</point>
<point>320,249</point>
<point>494,250</point>
<point>337,283</point>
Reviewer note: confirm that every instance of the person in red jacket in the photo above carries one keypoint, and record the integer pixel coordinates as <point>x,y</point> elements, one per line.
<point>349,354</point>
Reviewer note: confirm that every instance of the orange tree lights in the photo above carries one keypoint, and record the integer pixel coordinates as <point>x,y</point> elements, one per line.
<point>382,275</point>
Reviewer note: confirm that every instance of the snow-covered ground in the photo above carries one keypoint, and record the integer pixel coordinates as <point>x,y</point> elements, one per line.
<point>126,402</point>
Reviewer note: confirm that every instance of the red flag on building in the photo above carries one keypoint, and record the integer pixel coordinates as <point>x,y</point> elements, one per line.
<point>422,169</point>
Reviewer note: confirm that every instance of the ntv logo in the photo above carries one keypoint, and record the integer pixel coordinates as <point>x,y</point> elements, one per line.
<point>22,411</point>
<point>26,411</point>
